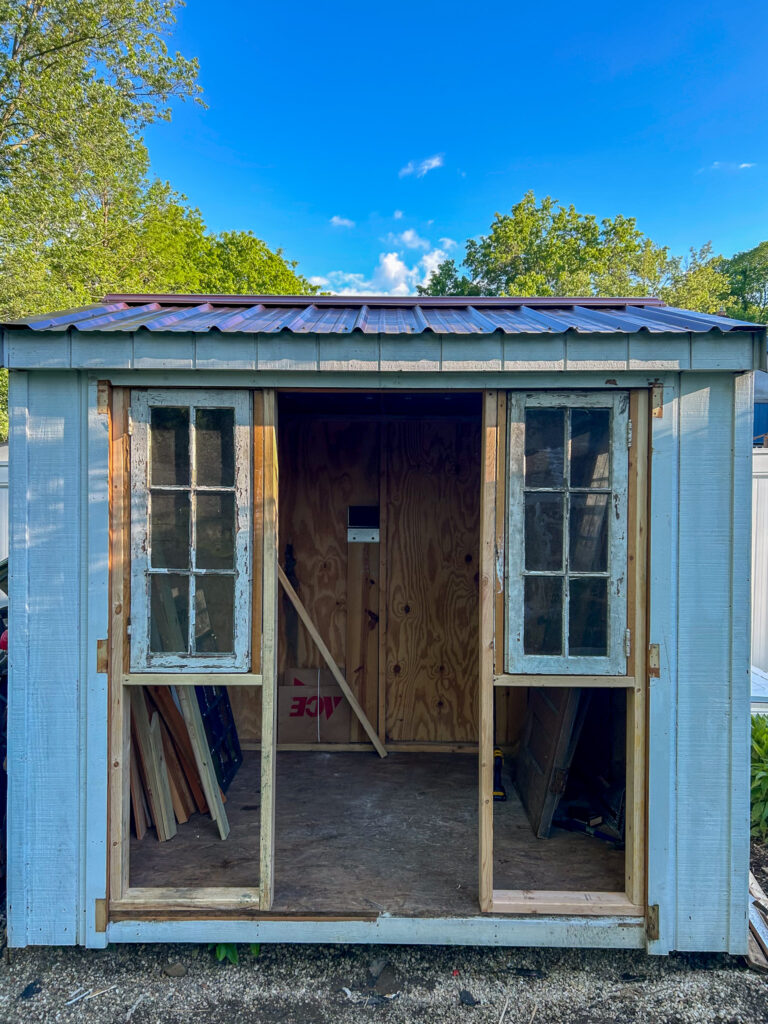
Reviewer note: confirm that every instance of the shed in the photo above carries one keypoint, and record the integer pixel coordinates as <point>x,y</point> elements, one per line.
<point>382,619</point>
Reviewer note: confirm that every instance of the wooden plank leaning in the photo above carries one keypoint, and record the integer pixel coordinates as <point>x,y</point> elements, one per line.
<point>190,711</point>
<point>328,658</point>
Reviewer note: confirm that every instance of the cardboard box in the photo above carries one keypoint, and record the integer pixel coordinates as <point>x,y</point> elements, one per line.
<point>311,708</point>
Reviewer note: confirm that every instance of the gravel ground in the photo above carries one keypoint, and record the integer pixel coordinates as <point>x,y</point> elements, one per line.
<point>312,985</point>
<point>163,984</point>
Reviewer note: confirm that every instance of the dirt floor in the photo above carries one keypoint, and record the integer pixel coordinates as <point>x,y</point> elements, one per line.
<point>393,984</point>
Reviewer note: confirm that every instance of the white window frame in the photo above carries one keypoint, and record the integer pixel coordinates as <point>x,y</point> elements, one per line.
<point>142,658</point>
<point>615,662</point>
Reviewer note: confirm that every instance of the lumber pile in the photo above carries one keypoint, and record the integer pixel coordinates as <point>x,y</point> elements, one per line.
<point>172,774</point>
<point>757,957</point>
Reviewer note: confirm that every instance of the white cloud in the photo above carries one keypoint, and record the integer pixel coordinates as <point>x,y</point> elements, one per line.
<point>391,275</point>
<point>408,239</point>
<point>341,222</point>
<point>726,166</point>
<point>448,243</point>
<point>319,281</point>
<point>421,167</point>
<point>398,215</point>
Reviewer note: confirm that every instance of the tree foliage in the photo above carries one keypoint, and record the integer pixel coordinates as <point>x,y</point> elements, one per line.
<point>549,249</point>
<point>748,276</point>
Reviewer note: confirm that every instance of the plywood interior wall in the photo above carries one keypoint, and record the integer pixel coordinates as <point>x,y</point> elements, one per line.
<point>401,617</point>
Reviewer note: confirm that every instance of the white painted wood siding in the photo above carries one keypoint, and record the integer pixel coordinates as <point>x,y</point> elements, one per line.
<point>760,558</point>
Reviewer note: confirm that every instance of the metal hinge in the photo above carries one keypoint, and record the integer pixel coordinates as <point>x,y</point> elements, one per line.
<point>100,916</point>
<point>657,401</point>
<point>629,433</point>
<point>654,663</point>
<point>559,779</point>
<point>628,642</point>
<point>102,656</point>
<point>102,397</point>
<point>652,923</point>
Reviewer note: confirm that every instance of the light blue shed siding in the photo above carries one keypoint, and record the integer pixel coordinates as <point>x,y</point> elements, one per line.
<point>698,709</point>
<point>699,705</point>
<point>44,713</point>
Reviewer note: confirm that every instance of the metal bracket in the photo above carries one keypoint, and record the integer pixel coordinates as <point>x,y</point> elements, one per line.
<point>654,664</point>
<point>657,401</point>
<point>102,656</point>
<point>652,923</point>
<point>102,397</point>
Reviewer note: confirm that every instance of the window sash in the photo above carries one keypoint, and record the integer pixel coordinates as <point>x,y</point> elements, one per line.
<point>615,661</point>
<point>142,657</point>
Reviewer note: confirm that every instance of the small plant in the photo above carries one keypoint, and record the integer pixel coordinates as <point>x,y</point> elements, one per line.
<point>759,779</point>
<point>228,951</point>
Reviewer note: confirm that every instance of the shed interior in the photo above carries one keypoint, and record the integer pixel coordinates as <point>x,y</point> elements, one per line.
<point>379,533</point>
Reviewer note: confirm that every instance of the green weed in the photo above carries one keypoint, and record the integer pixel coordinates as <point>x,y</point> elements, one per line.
<point>759,779</point>
<point>228,951</point>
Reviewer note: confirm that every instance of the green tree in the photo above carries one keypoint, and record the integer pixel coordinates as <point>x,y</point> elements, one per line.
<point>748,276</point>
<point>549,249</point>
<point>62,57</point>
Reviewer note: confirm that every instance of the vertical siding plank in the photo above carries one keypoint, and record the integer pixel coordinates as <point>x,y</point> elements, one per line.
<point>705,661</point>
<point>662,690</point>
<point>740,661</point>
<point>44,818</point>
<point>18,648</point>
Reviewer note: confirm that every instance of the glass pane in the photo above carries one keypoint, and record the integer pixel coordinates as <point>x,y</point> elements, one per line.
<point>168,612</point>
<point>215,548</point>
<point>169,444</point>
<point>214,614</point>
<point>169,529</point>
<point>588,551</point>
<point>543,615</point>
<point>215,447</point>
<point>544,530</point>
<point>590,448</point>
<point>544,447</point>
<point>588,618</point>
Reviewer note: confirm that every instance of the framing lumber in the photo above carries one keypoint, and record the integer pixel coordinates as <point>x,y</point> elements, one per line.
<point>269,653</point>
<point>593,682</point>
<point>119,806</point>
<point>174,723</point>
<point>637,666</point>
<point>538,901</point>
<point>384,440</point>
<point>191,679</point>
<point>487,577</point>
<point>328,658</point>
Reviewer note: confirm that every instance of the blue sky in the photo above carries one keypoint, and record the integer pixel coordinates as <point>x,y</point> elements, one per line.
<point>370,140</point>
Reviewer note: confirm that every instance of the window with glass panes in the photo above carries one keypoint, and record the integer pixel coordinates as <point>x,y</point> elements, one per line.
<point>567,543</point>
<point>190,530</point>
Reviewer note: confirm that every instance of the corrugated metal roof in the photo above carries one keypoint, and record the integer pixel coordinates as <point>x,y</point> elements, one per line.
<point>341,314</point>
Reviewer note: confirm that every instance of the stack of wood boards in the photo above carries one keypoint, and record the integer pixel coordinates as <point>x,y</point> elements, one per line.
<point>757,957</point>
<point>172,773</point>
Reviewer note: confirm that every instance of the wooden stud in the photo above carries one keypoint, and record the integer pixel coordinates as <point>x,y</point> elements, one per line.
<point>501,533</point>
<point>269,654</point>
<point>637,557</point>
<point>384,439</point>
<point>362,648</point>
<point>604,682</point>
<point>119,808</point>
<point>486,628</point>
<point>328,658</point>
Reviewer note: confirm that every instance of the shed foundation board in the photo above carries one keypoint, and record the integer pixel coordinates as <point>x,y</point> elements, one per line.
<point>355,834</point>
